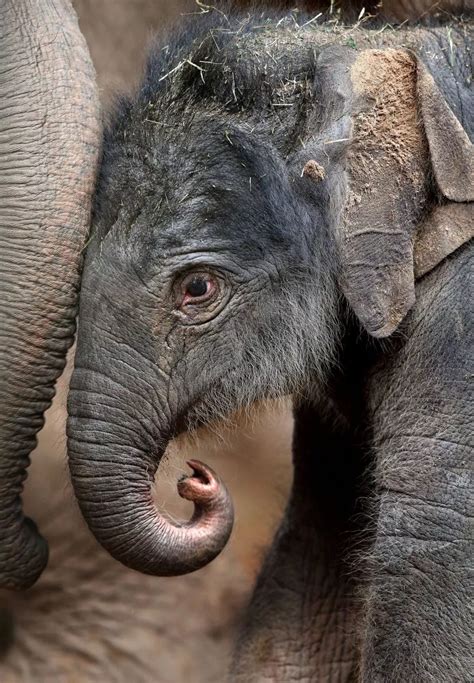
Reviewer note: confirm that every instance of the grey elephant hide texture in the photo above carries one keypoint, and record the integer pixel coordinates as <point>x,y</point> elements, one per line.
<point>50,137</point>
<point>274,199</point>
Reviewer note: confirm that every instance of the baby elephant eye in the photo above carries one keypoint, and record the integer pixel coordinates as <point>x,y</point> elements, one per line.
<point>197,288</point>
<point>200,295</point>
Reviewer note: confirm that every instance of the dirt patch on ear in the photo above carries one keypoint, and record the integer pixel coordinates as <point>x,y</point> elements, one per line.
<point>389,177</point>
<point>388,123</point>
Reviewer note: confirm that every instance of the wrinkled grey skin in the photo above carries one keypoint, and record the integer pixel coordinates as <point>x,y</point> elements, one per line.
<point>383,599</point>
<point>206,172</point>
<point>49,142</point>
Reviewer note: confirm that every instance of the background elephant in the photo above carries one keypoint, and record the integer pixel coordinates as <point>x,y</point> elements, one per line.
<point>266,202</point>
<point>50,136</point>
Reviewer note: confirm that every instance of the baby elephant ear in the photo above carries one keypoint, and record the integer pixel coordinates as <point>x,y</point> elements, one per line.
<point>394,154</point>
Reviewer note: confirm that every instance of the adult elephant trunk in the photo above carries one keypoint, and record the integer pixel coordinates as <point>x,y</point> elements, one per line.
<point>49,142</point>
<point>120,422</point>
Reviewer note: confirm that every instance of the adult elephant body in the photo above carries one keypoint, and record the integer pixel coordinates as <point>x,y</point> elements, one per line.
<point>273,200</point>
<point>49,142</point>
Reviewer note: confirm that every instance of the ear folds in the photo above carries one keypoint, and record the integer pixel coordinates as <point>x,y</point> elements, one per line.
<point>393,152</point>
<point>447,228</point>
<point>448,225</point>
<point>451,151</point>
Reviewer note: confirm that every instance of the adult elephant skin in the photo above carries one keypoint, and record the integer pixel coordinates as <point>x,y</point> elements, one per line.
<point>49,142</point>
<point>288,209</point>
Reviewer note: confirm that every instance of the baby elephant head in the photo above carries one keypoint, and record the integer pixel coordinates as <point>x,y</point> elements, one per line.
<point>217,267</point>
<point>200,294</point>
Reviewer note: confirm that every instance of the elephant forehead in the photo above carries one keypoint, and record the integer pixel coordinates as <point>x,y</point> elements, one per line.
<point>213,185</point>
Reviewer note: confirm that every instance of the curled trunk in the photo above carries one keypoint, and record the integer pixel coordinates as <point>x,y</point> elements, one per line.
<point>49,141</point>
<point>115,444</point>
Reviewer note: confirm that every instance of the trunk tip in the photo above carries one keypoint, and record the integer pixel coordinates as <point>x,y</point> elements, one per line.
<point>204,487</point>
<point>23,567</point>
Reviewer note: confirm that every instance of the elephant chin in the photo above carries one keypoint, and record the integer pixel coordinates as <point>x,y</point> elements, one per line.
<point>113,488</point>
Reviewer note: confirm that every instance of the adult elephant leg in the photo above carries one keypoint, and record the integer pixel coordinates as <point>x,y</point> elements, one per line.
<point>418,619</point>
<point>300,622</point>
<point>49,141</point>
